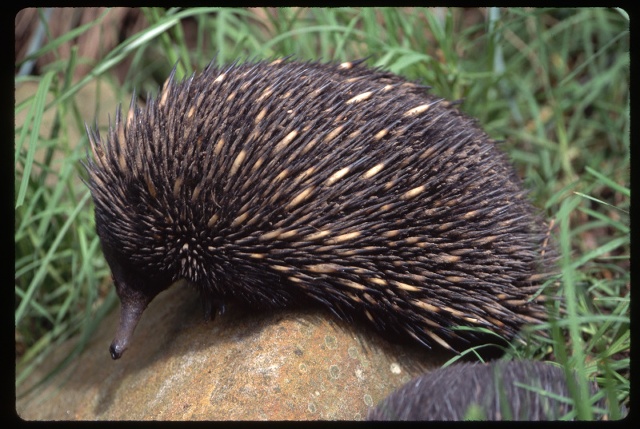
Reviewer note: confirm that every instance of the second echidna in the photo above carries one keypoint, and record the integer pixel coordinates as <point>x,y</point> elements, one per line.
<point>279,183</point>
<point>500,390</point>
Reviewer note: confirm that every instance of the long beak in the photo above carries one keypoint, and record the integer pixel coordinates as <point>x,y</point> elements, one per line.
<point>130,312</point>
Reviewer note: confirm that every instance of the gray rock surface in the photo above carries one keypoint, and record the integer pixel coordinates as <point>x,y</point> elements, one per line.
<point>285,365</point>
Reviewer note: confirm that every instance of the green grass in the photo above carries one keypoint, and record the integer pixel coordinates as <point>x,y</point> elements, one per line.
<point>552,83</point>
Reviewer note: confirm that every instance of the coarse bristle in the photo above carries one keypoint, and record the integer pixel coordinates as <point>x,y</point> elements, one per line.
<point>280,182</point>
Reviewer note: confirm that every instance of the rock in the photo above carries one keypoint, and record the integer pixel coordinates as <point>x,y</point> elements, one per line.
<point>284,365</point>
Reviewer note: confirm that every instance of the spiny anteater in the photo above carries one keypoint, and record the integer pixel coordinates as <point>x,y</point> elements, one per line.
<point>518,390</point>
<point>275,183</point>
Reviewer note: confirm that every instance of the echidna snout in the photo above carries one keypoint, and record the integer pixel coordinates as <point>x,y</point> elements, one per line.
<point>131,309</point>
<point>280,183</point>
<point>135,291</point>
<point>129,317</point>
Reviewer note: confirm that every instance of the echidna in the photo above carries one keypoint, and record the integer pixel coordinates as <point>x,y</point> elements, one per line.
<point>284,182</point>
<point>517,390</point>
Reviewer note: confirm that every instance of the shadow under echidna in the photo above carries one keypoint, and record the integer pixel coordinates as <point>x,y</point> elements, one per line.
<point>282,183</point>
